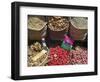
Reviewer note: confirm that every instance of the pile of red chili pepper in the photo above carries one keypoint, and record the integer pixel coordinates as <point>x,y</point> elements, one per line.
<point>58,56</point>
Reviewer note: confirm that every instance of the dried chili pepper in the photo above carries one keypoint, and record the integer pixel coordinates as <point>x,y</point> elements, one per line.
<point>58,56</point>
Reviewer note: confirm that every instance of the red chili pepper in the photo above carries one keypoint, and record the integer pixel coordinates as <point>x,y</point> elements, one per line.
<point>58,55</point>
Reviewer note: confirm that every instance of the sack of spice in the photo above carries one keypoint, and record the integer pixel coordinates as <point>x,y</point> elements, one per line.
<point>36,28</point>
<point>58,26</point>
<point>78,28</point>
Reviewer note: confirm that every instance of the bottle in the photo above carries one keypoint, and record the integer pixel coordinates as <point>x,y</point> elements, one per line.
<point>44,44</point>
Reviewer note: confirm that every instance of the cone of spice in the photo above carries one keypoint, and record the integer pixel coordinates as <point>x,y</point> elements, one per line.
<point>58,26</point>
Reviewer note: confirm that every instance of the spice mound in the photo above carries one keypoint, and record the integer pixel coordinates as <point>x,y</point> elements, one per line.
<point>80,22</point>
<point>58,23</point>
<point>78,56</point>
<point>37,56</point>
<point>34,23</point>
<point>58,56</point>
